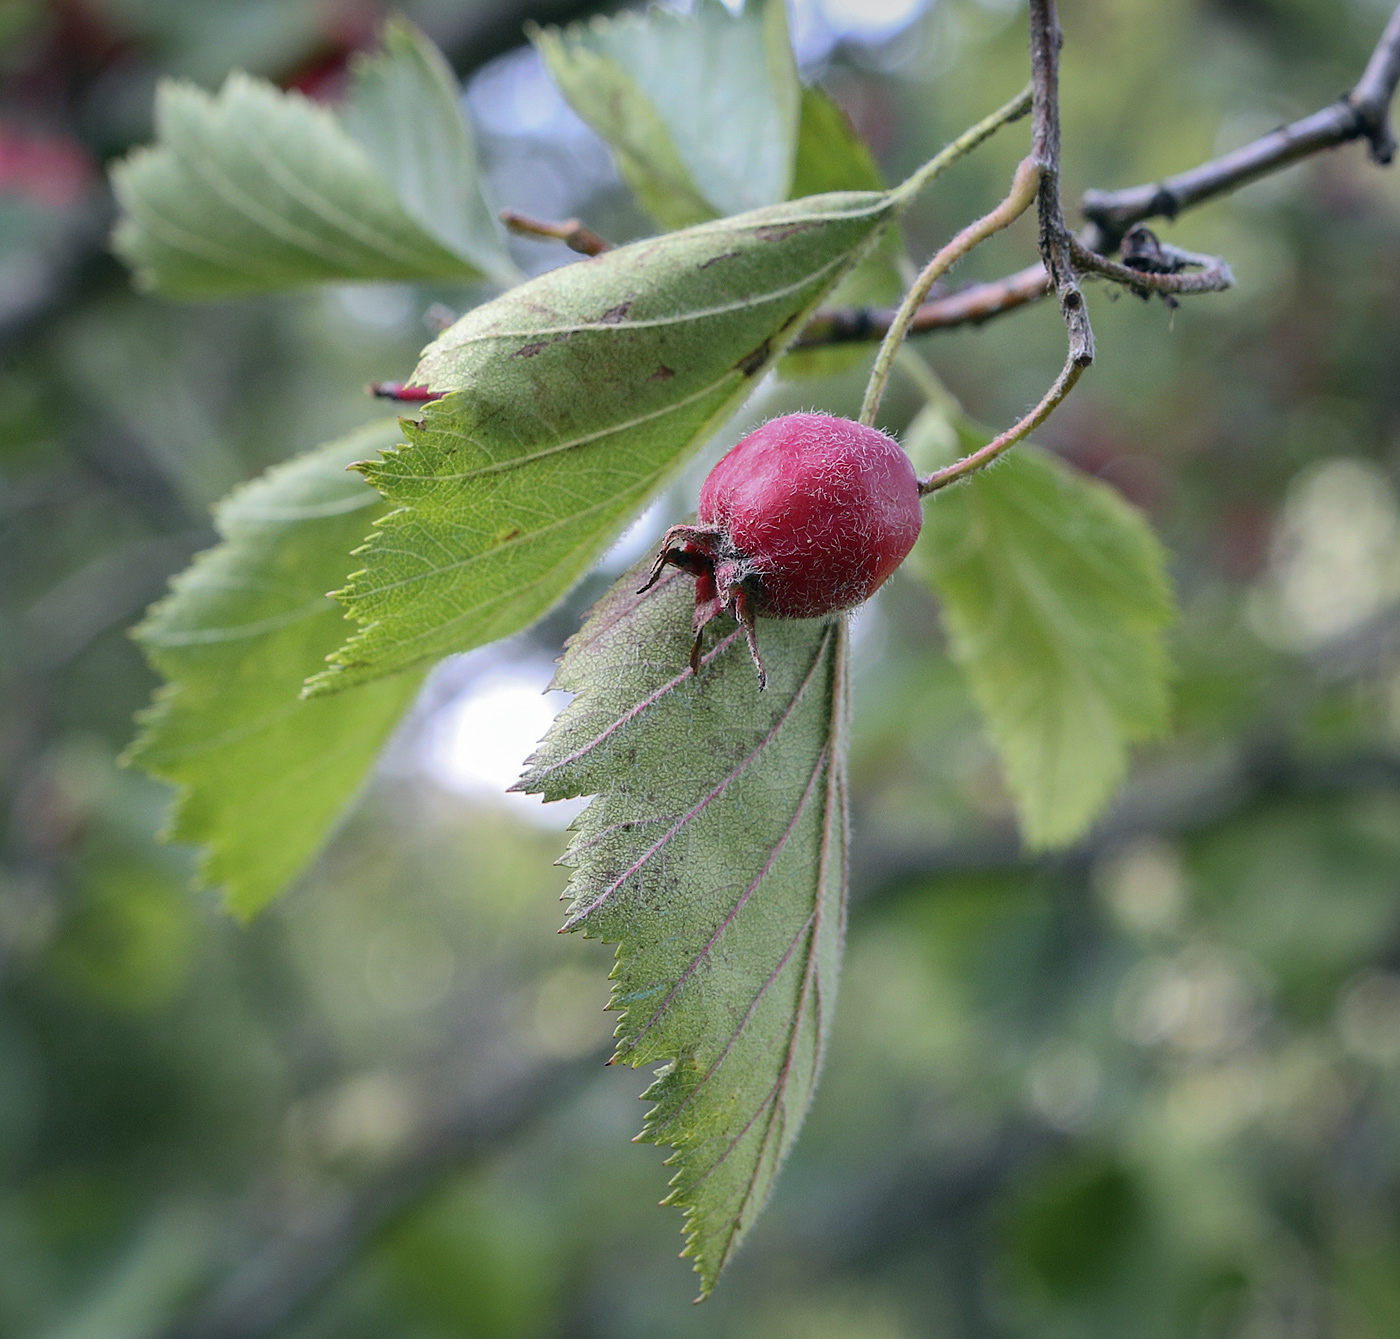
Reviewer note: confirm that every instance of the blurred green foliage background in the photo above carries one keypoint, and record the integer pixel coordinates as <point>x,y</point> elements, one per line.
<point>1148,1087</point>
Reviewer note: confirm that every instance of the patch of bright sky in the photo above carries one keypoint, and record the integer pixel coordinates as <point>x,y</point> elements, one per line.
<point>818,25</point>
<point>476,745</point>
<point>642,536</point>
<point>477,742</point>
<point>514,95</point>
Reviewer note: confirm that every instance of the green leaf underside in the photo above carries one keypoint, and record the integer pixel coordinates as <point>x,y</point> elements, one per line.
<point>700,110</point>
<point>578,395</point>
<point>405,111</point>
<point>254,190</point>
<point>263,777</point>
<point>714,857</point>
<point>1055,599</point>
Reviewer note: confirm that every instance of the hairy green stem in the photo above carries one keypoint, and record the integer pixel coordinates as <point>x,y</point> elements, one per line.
<point>1024,187</point>
<point>962,146</point>
<point>984,456</point>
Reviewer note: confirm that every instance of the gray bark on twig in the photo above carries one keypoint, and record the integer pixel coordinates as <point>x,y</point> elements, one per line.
<point>1364,113</point>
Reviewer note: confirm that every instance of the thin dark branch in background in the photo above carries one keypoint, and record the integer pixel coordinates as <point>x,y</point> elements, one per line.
<point>271,1286</point>
<point>1174,803</point>
<point>1364,113</point>
<point>982,302</point>
<point>1375,91</point>
<point>571,232</point>
<point>968,306</point>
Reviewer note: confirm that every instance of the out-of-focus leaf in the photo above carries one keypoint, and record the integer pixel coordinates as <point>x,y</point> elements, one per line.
<point>1307,890</point>
<point>127,938</point>
<point>701,110</point>
<point>127,941</point>
<point>264,776</point>
<point>611,101</point>
<point>405,111</point>
<point>578,395</point>
<point>832,157</point>
<point>714,857</point>
<point>474,1259</point>
<point>1073,1226</point>
<point>254,190</point>
<point>1055,598</point>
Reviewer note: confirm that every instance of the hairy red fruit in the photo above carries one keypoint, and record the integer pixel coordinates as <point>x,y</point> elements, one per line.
<point>806,517</point>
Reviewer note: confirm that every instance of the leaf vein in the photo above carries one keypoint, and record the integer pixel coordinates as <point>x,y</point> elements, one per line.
<point>704,803</point>
<point>738,906</point>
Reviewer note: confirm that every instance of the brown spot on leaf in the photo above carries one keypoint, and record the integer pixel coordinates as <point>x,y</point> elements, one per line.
<point>506,536</point>
<point>662,373</point>
<point>777,232</point>
<point>614,315</point>
<point>714,260</point>
<point>530,350</point>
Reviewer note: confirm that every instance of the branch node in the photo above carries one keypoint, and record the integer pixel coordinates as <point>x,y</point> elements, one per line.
<point>1373,125</point>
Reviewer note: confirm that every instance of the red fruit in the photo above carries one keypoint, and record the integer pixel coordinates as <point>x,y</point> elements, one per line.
<point>804,518</point>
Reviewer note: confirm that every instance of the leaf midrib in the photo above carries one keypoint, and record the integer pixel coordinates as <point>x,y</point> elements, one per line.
<point>733,913</point>
<point>516,462</point>
<point>764,297</point>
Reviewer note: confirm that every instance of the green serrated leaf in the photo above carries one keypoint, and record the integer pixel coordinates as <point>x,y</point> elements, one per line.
<point>577,396</point>
<point>832,157</point>
<point>263,777</point>
<point>256,190</point>
<point>701,109</point>
<point>1055,598</point>
<point>405,111</point>
<point>714,857</point>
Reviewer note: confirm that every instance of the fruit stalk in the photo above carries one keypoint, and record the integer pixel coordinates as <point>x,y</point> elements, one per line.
<point>1024,186</point>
